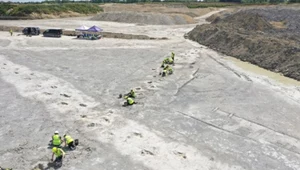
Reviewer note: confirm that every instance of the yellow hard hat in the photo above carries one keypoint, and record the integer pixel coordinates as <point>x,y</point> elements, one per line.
<point>54,149</point>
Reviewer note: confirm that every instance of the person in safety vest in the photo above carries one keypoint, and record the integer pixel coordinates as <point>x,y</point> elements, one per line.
<point>164,73</point>
<point>129,101</point>
<point>69,141</point>
<point>131,94</point>
<point>56,139</point>
<point>167,71</point>
<point>173,56</point>
<point>168,60</point>
<point>11,32</point>
<point>5,168</point>
<point>59,154</point>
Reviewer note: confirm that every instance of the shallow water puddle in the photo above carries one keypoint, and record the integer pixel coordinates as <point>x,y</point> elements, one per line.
<point>257,70</point>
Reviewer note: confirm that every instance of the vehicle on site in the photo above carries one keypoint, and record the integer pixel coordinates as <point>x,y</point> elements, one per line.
<point>53,33</point>
<point>31,31</point>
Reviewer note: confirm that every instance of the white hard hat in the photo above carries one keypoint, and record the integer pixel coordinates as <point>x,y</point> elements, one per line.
<point>56,132</point>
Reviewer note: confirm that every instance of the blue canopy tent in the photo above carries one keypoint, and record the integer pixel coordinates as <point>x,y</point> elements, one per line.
<point>90,33</point>
<point>95,29</point>
<point>82,28</point>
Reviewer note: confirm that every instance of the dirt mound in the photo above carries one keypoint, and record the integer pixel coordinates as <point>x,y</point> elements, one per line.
<point>250,37</point>
<point>219,15</point>
<point>145,18</point>
<point>246,21</point>
<point>289,16</point>
<point>162,8</point>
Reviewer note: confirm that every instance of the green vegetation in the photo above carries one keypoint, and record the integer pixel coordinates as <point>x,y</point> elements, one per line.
<point>23,10</point>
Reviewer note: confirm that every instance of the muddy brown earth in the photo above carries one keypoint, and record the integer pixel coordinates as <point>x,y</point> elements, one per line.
<point>267,37</point>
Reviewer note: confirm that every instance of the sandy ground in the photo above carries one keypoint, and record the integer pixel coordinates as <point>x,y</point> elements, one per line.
<point>210,114</point>
<point>157,8</point>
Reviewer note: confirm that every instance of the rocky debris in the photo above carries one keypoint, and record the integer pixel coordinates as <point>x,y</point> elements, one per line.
<point>146,152</point>
<point>138,134</point>
<point>82,105</point>
<point>218,16</point>
<point>249,36</point>
<point>246,21</point>
<point>290,16</point>
<point>183,155</point>
<point>47,93</point>
<point>88,149</point>
<point>65,95</point>
<point>106,119</point>
<point>91,125</point>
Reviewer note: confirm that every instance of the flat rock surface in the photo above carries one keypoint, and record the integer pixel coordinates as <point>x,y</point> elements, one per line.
<point>209,115</point>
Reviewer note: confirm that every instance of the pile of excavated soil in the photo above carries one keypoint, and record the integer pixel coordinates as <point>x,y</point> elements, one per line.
<point>289,16</point>
<point>145,18</point>
<point>167,8</point>
<point>219,15</point>
<point>249,36</point>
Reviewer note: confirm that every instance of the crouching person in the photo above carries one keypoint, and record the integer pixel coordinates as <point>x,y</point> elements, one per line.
<point>167,71</point>
<point>131,94</point>
<point>59,154</point>
<point>56,139</point>
<point>129,101</point>
<point>69,141</point>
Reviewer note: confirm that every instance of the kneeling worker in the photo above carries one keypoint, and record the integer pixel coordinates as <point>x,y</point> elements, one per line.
<point>56,139</point>
<point>131,94</point>
<point>170,70</point>
<point>129,101</point>
<point>167,70</point>
<point>59,153</point>
<point>173,56</point>
<point>69,141</point>
<point>167,61</point>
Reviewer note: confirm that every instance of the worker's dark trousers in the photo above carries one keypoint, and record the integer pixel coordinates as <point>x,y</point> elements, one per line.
<point>71,145</point>
<point>58,159</point>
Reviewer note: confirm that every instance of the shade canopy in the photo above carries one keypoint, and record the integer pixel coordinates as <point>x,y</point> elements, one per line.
<point>95,29</point>
<point>82,28</point>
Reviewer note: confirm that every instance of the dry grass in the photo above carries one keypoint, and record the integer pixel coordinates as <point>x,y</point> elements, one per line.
<point>52,16</point>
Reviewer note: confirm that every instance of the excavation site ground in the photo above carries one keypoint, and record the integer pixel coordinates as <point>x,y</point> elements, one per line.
<point>213,113</point>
